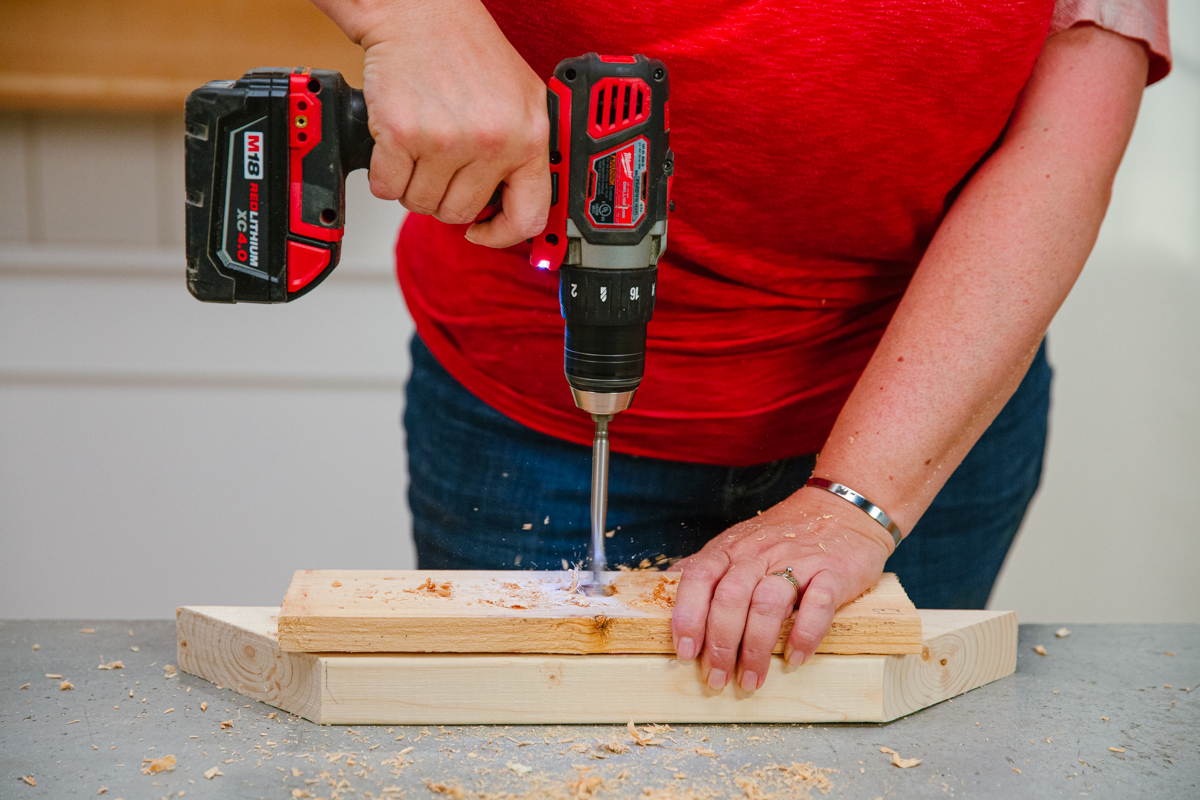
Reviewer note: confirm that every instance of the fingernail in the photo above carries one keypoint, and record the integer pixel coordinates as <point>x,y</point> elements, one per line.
<point>749,681</point>
<point>795,658</point>
<point>686,649</point>
<point>717,679</point>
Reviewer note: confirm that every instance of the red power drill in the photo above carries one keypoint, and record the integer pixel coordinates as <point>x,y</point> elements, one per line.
<point>267,158</point>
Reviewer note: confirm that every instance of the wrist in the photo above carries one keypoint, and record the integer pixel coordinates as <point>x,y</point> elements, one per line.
<point>860,502</point>
<point>820,514</point>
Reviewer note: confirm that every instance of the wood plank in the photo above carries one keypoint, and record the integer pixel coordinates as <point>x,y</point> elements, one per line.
<point>447,611</point>
<point>236,647</point>
<point>147,55</point>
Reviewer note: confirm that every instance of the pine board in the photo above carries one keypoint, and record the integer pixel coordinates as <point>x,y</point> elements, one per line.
<point>386,611</point>
<point>238,648</point>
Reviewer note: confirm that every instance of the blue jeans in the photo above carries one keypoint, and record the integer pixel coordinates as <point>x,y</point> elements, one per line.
<point>489,493</point>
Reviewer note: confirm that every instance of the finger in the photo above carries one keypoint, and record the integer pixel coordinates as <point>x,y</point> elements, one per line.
<point>427,186</point>
<point>526,207</point>
<point>819,601</point>
<point>695,591</point>
<point>727,620</point>
<point>467,194</point>
<point>391,168</point>
<point>773,599</point>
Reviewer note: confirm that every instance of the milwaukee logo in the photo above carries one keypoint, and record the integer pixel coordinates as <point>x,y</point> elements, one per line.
<point>252,155</point>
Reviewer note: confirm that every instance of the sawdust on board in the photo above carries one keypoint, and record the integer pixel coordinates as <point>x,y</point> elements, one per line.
<point>443,589</point>
<point>661,595</point>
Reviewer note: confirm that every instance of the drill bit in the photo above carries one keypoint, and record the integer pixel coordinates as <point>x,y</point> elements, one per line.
<point>598,564</point>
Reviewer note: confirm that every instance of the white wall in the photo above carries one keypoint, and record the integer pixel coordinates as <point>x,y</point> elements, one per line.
<point>1113,536</point>
<point>156,452</point>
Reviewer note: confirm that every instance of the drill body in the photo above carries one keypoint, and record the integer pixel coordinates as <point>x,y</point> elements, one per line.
<point>267,157</point>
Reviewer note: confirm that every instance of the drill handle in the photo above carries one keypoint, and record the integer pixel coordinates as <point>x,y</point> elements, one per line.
<point>356,142</point>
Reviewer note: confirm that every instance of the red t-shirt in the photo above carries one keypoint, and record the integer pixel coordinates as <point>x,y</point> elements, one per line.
<point>818,146</point>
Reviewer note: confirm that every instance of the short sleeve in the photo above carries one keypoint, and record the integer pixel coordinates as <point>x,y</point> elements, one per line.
<point>1143,20</point>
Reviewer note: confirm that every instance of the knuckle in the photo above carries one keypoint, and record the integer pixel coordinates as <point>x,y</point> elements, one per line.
<point>703,570</point>
<point>818,600</point>
<point>721,653</point>
<point>728,593</point>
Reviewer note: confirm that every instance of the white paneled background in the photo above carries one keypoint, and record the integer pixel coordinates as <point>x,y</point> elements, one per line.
<point>156,451</point>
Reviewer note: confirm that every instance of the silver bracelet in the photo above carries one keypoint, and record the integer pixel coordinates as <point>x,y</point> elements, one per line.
<point>866,505</point>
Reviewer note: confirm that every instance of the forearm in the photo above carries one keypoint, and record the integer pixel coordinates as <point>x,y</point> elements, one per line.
<point>366,22</point>
<point>997,270</point>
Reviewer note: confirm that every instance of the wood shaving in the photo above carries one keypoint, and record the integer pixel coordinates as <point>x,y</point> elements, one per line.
<point>902,763</point>
<point>168,671</point>
<point>87,630</point>
<point>1014,769</point>
<point>643,739</point>
<point>1041,651</point>
<point>213,772</point>
<point>26,686</point>
<point>37,647</point>
<point>1117,749</point>
<point>454,792</point>
<point>227,723</point>
<point>54,676</point>
<point>103,790</point>
<point>336,584</point>
<point>433,590</point>
<point>704,751</point>
<point>204,706</point>
<point>528,526</point>
<point>520,769</point>
<point>1167,653</point>
<point>1168,686</point>
<point>585,786</point>
<point>29,780</point>
<point>168,711</point>
<point>1104,719</point>
<point>112,665</point>
<point>1062,633</point>
<point>72,722</point>
<point>153,766</point>
<point>66,686</point>
<point>297,794</point>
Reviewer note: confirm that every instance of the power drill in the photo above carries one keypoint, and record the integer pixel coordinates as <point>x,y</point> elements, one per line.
<point>267,157</point>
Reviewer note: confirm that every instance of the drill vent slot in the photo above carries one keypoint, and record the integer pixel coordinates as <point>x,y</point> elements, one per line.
<point>617,104</point>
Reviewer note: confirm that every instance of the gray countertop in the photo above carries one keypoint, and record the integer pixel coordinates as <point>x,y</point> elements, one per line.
<point>1047,731</point>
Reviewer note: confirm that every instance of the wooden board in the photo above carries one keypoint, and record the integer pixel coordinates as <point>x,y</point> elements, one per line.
<point>237,648</point>
<point>381,611</point>
<point>148,55</point>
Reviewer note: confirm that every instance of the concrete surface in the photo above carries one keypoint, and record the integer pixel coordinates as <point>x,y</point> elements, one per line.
<point>1047,721</point>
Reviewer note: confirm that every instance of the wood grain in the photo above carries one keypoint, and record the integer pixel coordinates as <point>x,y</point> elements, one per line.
<point>387,611</point>
<point>148,55</point>
<point>236,647</point>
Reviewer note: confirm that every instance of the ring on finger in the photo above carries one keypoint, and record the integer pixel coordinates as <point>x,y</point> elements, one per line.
<point>787,575</point>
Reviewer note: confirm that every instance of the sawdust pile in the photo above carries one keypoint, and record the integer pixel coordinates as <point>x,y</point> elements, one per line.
<point>443,589</point>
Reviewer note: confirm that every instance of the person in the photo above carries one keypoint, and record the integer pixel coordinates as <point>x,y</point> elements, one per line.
<point>880,207</point>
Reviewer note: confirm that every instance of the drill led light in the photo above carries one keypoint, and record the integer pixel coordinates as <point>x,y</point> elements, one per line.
<point>543,264</point>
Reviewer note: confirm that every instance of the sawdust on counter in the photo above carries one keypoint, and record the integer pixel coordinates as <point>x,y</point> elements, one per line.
<point>897,761</point>
<point>152,766</point>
